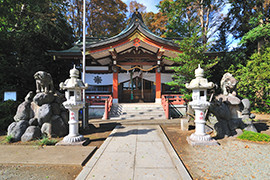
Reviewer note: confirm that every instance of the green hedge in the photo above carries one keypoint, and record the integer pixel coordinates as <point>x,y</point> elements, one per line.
<point>7,112</point>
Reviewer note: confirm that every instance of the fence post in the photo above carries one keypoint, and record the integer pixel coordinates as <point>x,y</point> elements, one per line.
<point>106,109</point>
<point>86,113</point>
<point>167,109</point>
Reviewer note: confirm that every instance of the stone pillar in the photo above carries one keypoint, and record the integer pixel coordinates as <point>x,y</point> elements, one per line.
<point>158,86</point>
<point>115,87</point>
<point>73,122</point>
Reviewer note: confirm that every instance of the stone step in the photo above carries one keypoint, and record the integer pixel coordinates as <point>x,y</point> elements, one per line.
<point>137,111</point>
<point>143,113</point>
<point>134,117</point>
<point>137,108</point>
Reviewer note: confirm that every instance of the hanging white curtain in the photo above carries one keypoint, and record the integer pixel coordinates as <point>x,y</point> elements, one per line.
<point>107,79</point>
<point>165,77</point>
<point>99,79</point>
<point>149,76</point>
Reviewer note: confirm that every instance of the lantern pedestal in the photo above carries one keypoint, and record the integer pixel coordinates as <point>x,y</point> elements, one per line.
<point>200,137</point>
<point>73,122</point>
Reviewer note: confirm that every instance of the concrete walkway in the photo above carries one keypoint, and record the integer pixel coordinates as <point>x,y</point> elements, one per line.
<point>135,152</point>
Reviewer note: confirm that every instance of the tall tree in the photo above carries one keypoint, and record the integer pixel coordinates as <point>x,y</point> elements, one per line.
<point>135,6</point>
<point>193,54</point>
<point>253,73</point>
<point>156,22</point>
<point>27,30</point>
<point>254,78</point>
<point>246,15</point>
<point>103,17</point>
<point>185,16</point>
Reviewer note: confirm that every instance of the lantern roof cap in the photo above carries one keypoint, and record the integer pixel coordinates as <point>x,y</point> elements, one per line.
<point>73,82</point>
<point>199,82</point>
<point>74,72</point>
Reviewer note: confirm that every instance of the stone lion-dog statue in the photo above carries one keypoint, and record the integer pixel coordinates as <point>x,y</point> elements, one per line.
<point>228,84</point>
<point>44,82</point>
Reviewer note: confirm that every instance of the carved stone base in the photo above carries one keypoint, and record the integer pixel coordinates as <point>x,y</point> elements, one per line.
<point>84,142</point>
<point>206,139</point>
<point>72,139</point>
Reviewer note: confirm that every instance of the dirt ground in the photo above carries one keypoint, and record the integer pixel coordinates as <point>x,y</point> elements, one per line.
<point>97,136</point>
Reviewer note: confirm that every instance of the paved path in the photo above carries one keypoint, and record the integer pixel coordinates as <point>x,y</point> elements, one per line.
<point>135,152</point>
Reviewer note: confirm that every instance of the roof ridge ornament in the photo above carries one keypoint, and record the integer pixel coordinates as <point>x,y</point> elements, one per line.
<point>137,16</point>
<point>137,11</point>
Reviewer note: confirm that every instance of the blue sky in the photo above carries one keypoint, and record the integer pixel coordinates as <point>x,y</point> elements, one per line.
<point>149,4</point>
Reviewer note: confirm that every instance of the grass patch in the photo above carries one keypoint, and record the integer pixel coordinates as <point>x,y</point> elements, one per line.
<point>46,141</point>
<point>256,137</point>
<point>8,139</point>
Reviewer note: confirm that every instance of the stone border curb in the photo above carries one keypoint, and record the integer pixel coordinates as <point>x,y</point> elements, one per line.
<point>89,166</point>
<point>183,172</point>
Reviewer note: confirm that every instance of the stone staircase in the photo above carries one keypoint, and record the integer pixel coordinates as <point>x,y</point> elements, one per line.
<point>137,111</point>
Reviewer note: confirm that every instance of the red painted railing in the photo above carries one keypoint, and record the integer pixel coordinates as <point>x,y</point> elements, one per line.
<point>96,99</point>
<point>166,106</point>
<point>108,105</point>
<point>105,100</point>
<point>174,99</point>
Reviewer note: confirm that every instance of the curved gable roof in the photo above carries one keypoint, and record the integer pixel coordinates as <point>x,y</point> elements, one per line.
<point>136,23</point>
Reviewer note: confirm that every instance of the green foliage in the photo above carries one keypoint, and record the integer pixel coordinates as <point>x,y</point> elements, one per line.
<point>188,97</point>
<point>254,78</point>
<point>7,111</point>
<point>9,139</point>
<point>193,53</point>
<point>256,137</point>
<point>181,21</point>
<point>258,33</point>
<point>27,30</point>
<point>46,141</point>
<point>186,16</point>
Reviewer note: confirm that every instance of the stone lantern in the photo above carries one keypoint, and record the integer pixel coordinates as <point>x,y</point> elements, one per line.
<point>74,103</point>
<point>199,103</point>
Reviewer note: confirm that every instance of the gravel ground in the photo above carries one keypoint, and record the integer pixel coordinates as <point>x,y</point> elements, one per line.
<point>233,159</point>
<point>38,172</point>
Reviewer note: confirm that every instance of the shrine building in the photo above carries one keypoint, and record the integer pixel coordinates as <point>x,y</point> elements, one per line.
<point>131,66</point>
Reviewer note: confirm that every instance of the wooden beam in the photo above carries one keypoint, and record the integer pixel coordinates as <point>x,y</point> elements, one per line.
<point>113,53</point>
<point>137,63</point>
<point>160,53</point>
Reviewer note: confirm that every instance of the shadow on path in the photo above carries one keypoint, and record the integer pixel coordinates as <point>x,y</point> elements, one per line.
<point>261,126</point>
<point>130,132</point>
<point>102,128</point>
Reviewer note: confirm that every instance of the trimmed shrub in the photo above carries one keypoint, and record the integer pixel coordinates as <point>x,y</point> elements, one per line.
<point>7,111</point>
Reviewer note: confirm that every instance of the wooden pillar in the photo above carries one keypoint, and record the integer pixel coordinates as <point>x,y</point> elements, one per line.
<point>158,87</point>
<point>115,87</point>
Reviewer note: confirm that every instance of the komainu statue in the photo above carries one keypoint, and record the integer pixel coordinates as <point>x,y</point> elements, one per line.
<point>230,111</point>
<point>228,84</point>
<point>41,114</point>
<point>44,82</point>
